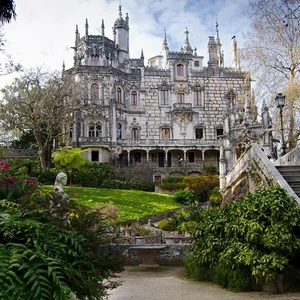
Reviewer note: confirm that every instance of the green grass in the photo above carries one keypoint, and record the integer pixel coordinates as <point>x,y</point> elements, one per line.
<point>132,204</point>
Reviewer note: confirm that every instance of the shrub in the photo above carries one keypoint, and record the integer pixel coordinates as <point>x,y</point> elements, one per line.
<point>50,247</point>
<point>215,198</point>
<point>128,185</point>
<point>185,197</point>
<point>172,179</point>
<point>164,225</point>
<point>261,233</point>
<point>196,271</point>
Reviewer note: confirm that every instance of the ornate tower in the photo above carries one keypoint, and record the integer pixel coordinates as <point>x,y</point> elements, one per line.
<point>121,36</point>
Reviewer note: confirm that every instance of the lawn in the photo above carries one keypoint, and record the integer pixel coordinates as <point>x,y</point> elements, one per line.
<point>132,204</point>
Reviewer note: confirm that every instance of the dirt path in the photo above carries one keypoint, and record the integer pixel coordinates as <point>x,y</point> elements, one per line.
<point>170,285</point>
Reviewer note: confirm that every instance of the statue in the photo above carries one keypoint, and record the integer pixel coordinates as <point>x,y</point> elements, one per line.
<point>60,181</point>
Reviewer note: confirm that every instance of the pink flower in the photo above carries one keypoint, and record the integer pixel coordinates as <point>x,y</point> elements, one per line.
<point>31,181</point>
<point>4,165</point>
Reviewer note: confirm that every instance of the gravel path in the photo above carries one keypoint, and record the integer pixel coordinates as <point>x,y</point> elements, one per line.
<point>171,285</point>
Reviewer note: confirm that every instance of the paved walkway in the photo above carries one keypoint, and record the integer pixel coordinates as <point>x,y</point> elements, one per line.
<point>171,285</point>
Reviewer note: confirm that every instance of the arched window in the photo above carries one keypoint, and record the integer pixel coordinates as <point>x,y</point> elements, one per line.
<point>94,92</point>
<point>134,98</point>
<point>95,130</point>
<point>119,95</point>
<point>165,133</point>
<point>180,70</point>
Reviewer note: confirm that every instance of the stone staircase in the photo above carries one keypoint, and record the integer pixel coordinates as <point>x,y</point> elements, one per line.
<point>291,173</point>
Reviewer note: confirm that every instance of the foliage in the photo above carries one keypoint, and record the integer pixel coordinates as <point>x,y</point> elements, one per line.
<point>165,225</point>
<point>215,198</point>
<point>70,159</point>
<point>272,54</point>
<point>37,101</point>
<point>261,234</point>
<point>186,197</point>
<point>201,185</point>
<point>172,179</point>
<point>25,141</point>
<point>128,185</point>
<point>210,169</point>
<point>50,247</point>
<point>94,176</point>
<point>7,11</point>
<point>132,204</point>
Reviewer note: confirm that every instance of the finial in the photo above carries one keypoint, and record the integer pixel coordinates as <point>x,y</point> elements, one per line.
<point>142,54</point>
<point>165,42</point>
<point>120,10</point>
<point>86,27</point>
<point>63,66</point>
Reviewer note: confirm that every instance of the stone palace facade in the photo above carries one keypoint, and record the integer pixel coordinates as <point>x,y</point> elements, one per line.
<point>148,116</point>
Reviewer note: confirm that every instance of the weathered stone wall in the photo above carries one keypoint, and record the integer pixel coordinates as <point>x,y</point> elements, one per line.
<point>171,255</point>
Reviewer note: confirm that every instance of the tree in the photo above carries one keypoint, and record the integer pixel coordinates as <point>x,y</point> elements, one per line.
<point>272,52</point>
<point>7,11</point>
<point>37,101</point>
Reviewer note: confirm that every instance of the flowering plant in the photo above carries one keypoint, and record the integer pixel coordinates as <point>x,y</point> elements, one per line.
<point>16,188</point>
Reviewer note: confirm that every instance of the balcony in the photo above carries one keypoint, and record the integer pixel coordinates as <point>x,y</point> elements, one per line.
<point>182,107</point>
<point>94,141</point>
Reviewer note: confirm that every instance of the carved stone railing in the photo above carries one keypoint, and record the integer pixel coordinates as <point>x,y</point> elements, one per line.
<point>251,172</point>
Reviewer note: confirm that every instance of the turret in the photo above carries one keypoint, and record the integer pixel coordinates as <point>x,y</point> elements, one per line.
<point>121,36</point>
<point>77,36</point>
<point>212,52</point>
<point>187,47</point>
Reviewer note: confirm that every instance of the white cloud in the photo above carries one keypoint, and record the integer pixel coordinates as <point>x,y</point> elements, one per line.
<point>44,31</point>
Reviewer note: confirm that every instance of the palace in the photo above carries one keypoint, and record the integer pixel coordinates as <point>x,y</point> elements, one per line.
<point>160,118</point>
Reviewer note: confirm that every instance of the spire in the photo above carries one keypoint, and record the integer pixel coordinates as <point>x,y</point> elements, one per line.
<point>86,28</point>
<point>77,36</point>
<point>103,27</point>
<point>248,113</point>
<point>120,11</point>
<point>142,58</point>
<point>217,32</point>
<point>187,47</point>
<point>63,66</point>
<point>165,42</point>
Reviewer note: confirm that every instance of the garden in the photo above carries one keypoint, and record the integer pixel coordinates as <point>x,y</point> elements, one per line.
<point>53,249</point>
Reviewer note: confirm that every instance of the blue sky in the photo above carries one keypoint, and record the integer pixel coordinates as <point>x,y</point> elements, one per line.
<point>43,32</point>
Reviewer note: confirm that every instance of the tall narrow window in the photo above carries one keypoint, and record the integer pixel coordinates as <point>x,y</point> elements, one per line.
<point>94,92</point>
<point>164,97</point>
<point>135,133</point>
<point>198,98</point>
<point>191,157</point>
<point>165,133</point>
<point>180,98</point>
<point>180,71</point>
<point>198,133</point>
<point>134,98</point>
<point>119,95</point>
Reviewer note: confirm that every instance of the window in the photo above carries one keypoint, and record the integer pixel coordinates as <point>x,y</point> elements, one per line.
<point>180,98</point>
<point>94,92</point>
<point>191,157</point>
<point>119,131</point>
<point>180,71</point>
<point>119,95</point>
<point>199,133</point>
<point>219,132</point>
<point>95,130</point>
<point>196,63</point>
<point>198,98</point>
<point>135,133</point>
<point>134,98</point>
<point>165,133</point>
<point>164,97</point>
<point>95,155</point>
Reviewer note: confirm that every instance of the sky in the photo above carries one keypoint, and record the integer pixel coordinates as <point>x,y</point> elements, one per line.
<point>44,31</point>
